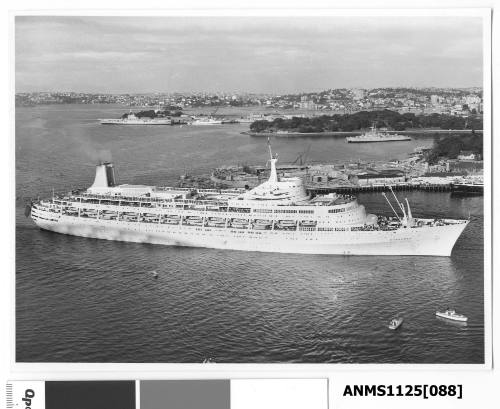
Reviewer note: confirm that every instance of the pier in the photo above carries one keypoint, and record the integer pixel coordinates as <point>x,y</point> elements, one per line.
<point>430,187</point>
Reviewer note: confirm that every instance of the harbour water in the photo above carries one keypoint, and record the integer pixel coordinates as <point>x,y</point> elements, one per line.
<point>85,300</point>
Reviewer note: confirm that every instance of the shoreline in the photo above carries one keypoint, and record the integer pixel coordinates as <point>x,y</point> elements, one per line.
<point>347,133</point>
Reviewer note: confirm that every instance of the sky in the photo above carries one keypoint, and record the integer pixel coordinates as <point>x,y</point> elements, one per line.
<point>245,54</point>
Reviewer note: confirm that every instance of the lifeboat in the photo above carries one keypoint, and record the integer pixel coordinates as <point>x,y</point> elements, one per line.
<point>71,211</point>
<point>131,217</point>
<point>239,223</point>
<point>170,221</point>
<point>193,220</point>
<point>89,213</point>
<point>286,224</point>
<point>108,215</point>
<point>149,218</point>
<point>261,222</point>
<point>217,219</point>
<point>216,222</point>
<point>261,226</point>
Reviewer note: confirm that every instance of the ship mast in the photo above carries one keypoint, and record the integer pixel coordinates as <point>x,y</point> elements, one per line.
<point>405,217</point>
<point>390,204</point>
<point>273,176</point>
<point>410,217</point>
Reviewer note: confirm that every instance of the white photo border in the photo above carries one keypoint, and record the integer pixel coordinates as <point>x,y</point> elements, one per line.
<point>80,371</point>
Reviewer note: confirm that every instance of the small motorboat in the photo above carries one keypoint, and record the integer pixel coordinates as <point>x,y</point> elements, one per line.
<point>395,323</point>
<point>452,315</point>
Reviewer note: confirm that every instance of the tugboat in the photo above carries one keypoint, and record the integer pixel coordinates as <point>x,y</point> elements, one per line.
<point>395,323</point>
<point>452,315</point>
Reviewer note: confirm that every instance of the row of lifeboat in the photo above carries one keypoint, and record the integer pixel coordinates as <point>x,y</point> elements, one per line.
<point>257,224</point>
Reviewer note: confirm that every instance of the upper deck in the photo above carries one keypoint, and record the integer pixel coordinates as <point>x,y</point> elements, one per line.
<point>203,199</point>
<point>275,193</point>
<point>277,200</point>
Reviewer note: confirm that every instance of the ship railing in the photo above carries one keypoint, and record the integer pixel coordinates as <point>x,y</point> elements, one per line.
<point>189,189</point>
<point>122,198</point>
<point>142,199</point>
<point>200,206</point>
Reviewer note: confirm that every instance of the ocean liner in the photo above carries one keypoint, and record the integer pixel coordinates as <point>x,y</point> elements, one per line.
<point>276,216</point>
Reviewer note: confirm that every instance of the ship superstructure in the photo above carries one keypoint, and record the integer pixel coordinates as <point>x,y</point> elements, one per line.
<point>375,135</point>
<point>276,216</point>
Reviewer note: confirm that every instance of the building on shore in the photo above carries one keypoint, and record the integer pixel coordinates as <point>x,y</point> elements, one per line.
<point>467,156</point>
<point>371,177</point>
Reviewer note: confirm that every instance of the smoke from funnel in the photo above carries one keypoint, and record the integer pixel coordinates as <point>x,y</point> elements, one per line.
<point>104,156</point>
<point>85,146</point>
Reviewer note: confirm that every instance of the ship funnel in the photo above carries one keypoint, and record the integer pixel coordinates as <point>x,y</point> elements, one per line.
<point>104,175</point>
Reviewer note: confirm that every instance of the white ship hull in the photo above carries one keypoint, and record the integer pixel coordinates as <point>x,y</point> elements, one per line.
<point>135,122</point>
<point>276,216</point>
<point>366,140</point>
<point>202,123</point>
<point>428,241</point>
<point>457,317</point>
<point>375,136</point>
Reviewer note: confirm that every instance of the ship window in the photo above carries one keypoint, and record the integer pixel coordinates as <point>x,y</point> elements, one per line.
<point>238,209</point>
<point>263,210</point>
<point>342,209</point>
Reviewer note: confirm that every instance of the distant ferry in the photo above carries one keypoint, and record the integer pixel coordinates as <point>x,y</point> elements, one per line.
<point>132,119</point>
<point>206,121</point>
<point>374,135</point>
<point>276,216</point>
<point>466,187</point>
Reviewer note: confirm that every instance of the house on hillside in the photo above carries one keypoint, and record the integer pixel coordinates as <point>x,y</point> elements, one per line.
<point>467,155</point>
